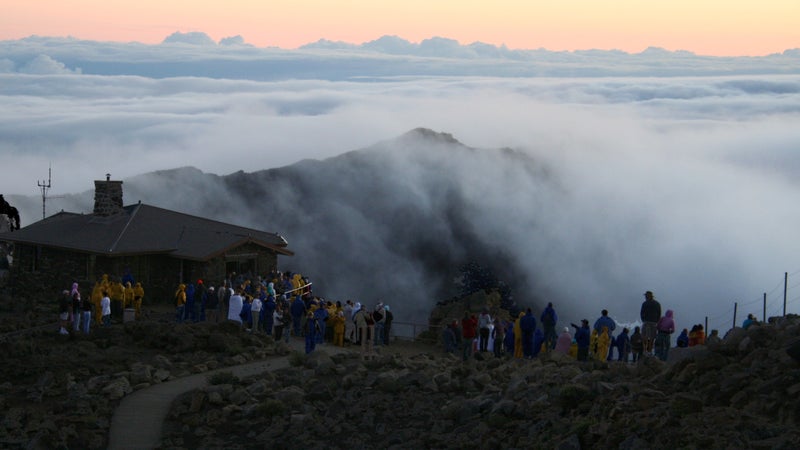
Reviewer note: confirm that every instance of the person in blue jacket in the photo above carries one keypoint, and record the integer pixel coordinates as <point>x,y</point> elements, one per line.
<point>538,339</point>
<point>605,321</point>
<point>298,310</point>
<point>321,315</point>
<point>311,330</point>
<point>527,325</point>
<point>583,338</point>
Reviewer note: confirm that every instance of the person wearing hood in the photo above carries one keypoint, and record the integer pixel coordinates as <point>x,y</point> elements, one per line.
<point>298,310</point>
<point>311,331</point>
<point>138,297</point>
<point>527,325</point>
<point>582,339</point>
<point>538,343</point>
<point>605,321</point>
<point>683,339</point>
<point>603,343</point>
<point>518,347</point>
<point>665,326</point>
<point>180,303</point>
<point>338,329</point>
<point>623,345</point>
<point>321,315</point>
<point>96,297</point>
<point>267,312</point>
<point>564,341</point>
<point>549,318</point>
<point>127,301</point>
<point>637,344</point>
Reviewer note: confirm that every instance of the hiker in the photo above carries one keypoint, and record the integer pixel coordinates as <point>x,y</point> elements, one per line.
<point>603,343</point>
<point>582,339</point>
<point>64,305</point>
<point>311,331</point>
<point>388,318</point>
<point>105,309</point>
<point>751,319</point>
<point>498,337</point>
<point>527,325</point>
<point>549,319</point>
<point>564,342</point>
<point>713,338</point>
<point>623,345</point>
<point>650,315</point>
<point>683,339</point>
<point>665,326</point>
<point>608,323</point>
<point>484,329</point>
<point>180,302</point>
<point>637,344</point>
<point>468,326</point>
<point>517,333</point>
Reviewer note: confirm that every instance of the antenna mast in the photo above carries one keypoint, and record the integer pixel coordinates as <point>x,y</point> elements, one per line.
<point>44,188</point>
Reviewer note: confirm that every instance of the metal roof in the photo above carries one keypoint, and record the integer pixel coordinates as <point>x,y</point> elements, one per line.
<point>141,229</point>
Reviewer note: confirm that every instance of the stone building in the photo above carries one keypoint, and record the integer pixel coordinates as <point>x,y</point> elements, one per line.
<point>160,248</point>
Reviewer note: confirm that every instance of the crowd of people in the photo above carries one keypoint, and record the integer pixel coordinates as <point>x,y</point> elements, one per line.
<point>521,338</point>
<point>108,299</point>
<point>283,305</point>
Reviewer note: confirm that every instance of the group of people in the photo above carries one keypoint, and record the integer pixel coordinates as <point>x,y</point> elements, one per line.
<point>521,338</point>
<point>107,300</point>
<point>283,305</point>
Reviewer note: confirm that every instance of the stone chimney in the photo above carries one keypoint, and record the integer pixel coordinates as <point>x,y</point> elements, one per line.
<point>107,197</point>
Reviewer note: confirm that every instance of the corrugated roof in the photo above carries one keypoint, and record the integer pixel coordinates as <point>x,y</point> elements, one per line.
<point>141,229</point>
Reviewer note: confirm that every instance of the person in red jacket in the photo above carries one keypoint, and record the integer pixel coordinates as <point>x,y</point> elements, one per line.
<point>469,325</point>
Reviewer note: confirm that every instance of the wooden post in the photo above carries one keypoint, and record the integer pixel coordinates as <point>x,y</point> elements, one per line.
<point>735,306</point>
<point>706,326</point>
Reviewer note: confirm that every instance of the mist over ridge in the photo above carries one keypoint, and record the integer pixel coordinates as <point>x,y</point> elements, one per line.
<point>394,221</point>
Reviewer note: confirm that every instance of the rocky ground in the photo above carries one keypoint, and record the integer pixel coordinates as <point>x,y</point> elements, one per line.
<point>742,393</point>
<point>60,392</point>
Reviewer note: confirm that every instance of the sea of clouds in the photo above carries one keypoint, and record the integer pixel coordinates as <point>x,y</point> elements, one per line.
<point>677,173</point>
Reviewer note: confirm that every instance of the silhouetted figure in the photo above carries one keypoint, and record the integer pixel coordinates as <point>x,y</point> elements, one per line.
<point>10,212</point>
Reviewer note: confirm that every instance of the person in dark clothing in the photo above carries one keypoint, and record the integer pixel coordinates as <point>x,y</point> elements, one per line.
<point>637,344</point>
<point>527,325</point>
<point>582,339</point>
<point>650,315</point>
<point>549,319</point>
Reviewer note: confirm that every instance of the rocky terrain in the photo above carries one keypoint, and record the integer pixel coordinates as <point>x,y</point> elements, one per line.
<point>60,392</point>
<point>742,393</point>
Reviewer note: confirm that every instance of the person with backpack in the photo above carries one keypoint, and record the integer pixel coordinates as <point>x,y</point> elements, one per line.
<point>549,319</point>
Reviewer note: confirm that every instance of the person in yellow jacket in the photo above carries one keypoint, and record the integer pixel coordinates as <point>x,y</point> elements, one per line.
<point>338,329</point>
<point>593,344</point>
<point>117,295</point>
<point>128,295</point>
<point>96,299</point>
<point>518,336</point>
<point>180,303</point>
<point>138,296</point>
<point>603,342</point>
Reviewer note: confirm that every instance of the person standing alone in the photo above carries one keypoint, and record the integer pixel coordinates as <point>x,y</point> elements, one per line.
<point>650,315</point>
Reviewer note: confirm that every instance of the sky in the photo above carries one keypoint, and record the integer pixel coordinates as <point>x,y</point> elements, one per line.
<point>709,27</point>
<point>670,172</point>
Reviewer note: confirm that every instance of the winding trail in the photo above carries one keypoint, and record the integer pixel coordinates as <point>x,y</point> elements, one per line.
<point>138,421</point>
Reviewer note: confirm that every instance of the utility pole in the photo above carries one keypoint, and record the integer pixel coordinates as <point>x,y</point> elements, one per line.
<point>45,187</point>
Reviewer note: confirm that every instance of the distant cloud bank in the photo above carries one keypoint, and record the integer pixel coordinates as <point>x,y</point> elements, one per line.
<point>196,54</point>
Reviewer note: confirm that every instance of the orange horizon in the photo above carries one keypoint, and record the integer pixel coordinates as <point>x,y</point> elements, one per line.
<point>711,27</point>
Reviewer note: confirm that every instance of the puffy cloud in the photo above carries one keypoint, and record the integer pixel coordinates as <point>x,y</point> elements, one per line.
<point>191,38</point>
<point>680,185</point>
<point>45,65</point>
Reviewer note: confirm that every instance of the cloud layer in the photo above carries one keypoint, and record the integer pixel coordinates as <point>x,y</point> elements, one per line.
<point>682,185</point>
